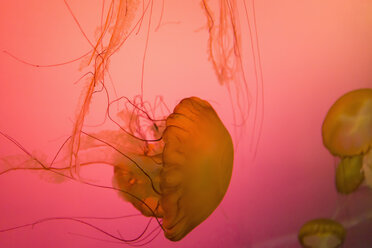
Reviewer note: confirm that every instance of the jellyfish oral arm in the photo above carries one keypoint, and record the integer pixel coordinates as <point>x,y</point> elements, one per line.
<point>130,178</point>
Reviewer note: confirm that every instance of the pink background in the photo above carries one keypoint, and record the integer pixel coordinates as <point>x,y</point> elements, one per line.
<point>312,52</point>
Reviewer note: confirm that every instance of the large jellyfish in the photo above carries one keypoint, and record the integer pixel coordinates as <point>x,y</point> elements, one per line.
<point>194,175</point>
<point>179,179</point>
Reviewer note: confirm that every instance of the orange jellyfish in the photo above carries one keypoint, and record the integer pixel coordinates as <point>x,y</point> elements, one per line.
<point>181,177</point>
<point>347,133</point>
<point>321,233</point>
<point>197,162</point>
<point>205,156</point>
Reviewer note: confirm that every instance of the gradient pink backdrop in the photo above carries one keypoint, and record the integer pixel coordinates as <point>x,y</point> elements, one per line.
<point>312,52</point>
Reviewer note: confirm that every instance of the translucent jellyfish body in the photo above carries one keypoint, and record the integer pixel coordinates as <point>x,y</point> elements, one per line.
<point>321,233</point>
<point>347,133</point>
<point>367,167</point>
<point>190,182</point>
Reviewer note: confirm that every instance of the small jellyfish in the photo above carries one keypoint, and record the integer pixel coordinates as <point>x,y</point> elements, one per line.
<point>195,173</point>
<point>321,233</point>
<point>347,133</point>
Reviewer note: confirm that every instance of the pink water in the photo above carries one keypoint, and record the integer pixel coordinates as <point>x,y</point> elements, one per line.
<point>312,52</point>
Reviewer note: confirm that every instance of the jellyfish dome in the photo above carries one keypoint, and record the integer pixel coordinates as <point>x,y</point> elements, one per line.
<point>193,177</point>
<point>347,128</point>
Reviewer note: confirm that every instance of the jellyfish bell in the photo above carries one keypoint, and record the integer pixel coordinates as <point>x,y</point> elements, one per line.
<point>321,233</point>
<point>197,166</point>
<point>195,173</point>
<point>347,133</point>
<point>347,128</point>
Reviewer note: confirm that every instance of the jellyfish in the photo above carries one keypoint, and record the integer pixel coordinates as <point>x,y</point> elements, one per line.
<point>321,233</point>
<point>181,177</point>
<point>181,205</point>
<point>196,169</point>
<point>347,134</point>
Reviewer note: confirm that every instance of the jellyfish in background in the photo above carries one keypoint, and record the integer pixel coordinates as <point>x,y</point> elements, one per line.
<point>322,233</point>
<point>347,133</point>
